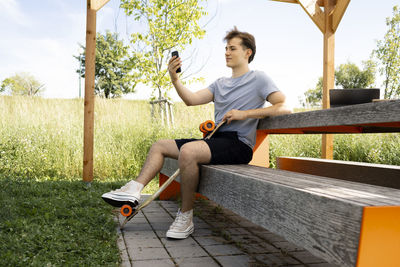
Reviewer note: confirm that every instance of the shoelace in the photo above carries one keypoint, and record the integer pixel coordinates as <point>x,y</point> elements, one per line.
<point>180,220</point>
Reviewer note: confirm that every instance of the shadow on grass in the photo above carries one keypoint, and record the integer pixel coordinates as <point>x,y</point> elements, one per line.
<point>54,223</point>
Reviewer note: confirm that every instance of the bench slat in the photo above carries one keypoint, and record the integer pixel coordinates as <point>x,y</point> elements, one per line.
<point>356,193</point>
<point>362,115</point>
<point>375,174</point>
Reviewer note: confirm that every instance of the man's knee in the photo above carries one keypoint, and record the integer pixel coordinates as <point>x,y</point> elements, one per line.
<point>193,153</point>
<point>166,147</point>
<point>186,155</point>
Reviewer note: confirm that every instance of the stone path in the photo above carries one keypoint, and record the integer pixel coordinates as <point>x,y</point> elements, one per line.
<point>221,238</point>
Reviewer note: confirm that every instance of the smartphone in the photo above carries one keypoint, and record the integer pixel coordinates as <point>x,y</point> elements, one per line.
<point>175,53</point>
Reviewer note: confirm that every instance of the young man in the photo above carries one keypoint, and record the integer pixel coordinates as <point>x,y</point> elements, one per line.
<point>239,101</point>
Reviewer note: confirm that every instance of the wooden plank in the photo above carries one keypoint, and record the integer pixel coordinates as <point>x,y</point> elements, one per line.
<point>358,193</point>
<point>351,192</point>
<point>287,1</point>
<point>367,173</point>
<point>313,10</point>
<point>338,13</point>
<point>97,4</point>
<point>328,73</point>
<point>328,229</point>
<point>88,134</point>
<point>362,114</point>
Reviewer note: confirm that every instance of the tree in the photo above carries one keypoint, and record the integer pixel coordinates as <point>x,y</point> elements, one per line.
<point>347,76</point>
<point>388,55</point>
<point>313,96</point>
<point>169,25</point>
<point>114,67</point>
<point>22,84</point>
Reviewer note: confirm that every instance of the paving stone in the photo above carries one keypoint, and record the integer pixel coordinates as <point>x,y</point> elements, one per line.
<point>161,226</point>
<point>196,262</point>
<point>153,263</point>
<point>270,237</point>
<point>148,253</point>
<point>144,243</point>
<point>306,257</point>
<point>190,251</point>
<point>275,259</point>
<point>140,234</point>
<point>222,250</point>
<point>202,232</point>
<point>210,240</point>
<point>160,219</point>
<point>253,244</point>
<point>237,261</point>
<point>133,226</point>
<point>122,247</point>
<point>237,231</point>
<point>126,263</point>
<point>201,225</point>
<point>169,242</point>
<point>161,233</point>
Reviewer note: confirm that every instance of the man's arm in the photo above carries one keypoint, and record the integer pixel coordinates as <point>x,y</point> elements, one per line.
<point>277,99</point>
<point>190,98</point>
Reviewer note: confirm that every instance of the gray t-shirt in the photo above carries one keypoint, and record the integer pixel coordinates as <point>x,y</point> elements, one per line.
<point>248,91</point>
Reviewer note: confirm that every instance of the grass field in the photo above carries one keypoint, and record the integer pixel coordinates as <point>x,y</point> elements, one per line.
<point>49,218</point>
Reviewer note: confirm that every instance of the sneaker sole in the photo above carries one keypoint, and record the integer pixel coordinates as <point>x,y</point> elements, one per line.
<point>180,235</point>
<point>120,203</point>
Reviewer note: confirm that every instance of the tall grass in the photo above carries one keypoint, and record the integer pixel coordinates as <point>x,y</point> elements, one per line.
<point>44,138</point>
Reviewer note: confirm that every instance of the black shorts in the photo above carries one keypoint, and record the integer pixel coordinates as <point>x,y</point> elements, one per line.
<point>225,147</point>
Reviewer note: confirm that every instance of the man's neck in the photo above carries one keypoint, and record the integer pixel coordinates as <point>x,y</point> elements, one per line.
<point>239,71</point>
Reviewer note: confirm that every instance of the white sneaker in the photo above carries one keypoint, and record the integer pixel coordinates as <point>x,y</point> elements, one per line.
<point>183,225</point>
<point>128,194</point>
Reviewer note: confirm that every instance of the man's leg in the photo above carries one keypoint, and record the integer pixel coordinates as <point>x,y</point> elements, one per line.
<point>131,191</point>
<point>155,159</point>
<point>191,155</point>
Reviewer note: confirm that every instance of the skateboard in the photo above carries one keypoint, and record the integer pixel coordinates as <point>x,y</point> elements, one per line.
<point>129,211</point>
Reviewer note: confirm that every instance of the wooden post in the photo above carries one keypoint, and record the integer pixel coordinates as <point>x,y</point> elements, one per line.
<point>328,72</point>
<point>90,61</point>
<point>88,134</point>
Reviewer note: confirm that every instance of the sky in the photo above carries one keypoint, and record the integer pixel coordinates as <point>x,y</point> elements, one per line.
<point>41,37</point>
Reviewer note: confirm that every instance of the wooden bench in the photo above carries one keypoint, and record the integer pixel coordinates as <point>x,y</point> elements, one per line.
<point>344,222</point>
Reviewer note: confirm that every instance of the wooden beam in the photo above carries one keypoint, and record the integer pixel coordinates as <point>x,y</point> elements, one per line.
<point>328,73</point>
<point>287,1</point>
<point>338,13</point>
<point>313,10</point>
<point>97,4</point>
<point>90,56</point>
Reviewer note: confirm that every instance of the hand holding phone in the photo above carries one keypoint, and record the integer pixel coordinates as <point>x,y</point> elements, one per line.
<point>175,53</point>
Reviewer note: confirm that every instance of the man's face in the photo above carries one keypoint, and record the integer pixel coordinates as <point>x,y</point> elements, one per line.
<point>235,54</point>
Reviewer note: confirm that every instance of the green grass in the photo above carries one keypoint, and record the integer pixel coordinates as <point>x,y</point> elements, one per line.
<point>55,223</point>
<point>48,218</point>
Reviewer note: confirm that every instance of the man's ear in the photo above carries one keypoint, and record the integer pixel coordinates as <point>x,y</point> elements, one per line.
<point>249,52</point>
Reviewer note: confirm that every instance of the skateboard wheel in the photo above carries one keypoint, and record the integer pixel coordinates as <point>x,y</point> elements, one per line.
<point>209,126</point>
<point>126,210</point>
<point>201,127</point>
